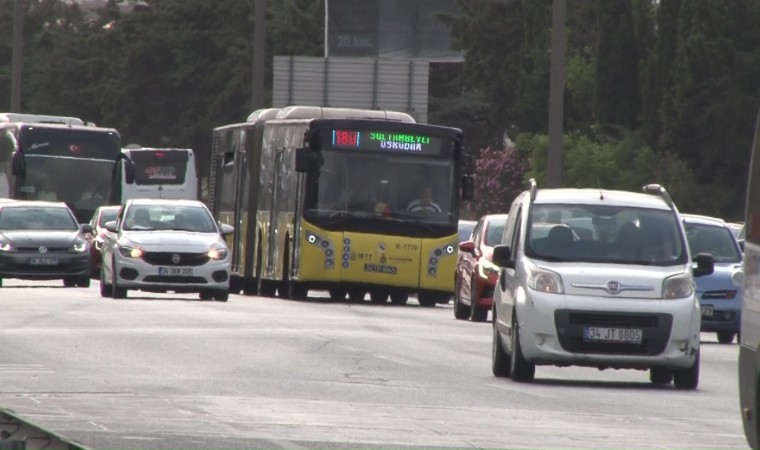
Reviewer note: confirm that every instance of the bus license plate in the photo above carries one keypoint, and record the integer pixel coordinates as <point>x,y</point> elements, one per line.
<point>175,271</point>
<point>620,335</point>
<point>707,311</point>
<point>43,261</point>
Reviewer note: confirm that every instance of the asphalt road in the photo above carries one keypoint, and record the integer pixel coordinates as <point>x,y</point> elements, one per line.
<point>166,371</point>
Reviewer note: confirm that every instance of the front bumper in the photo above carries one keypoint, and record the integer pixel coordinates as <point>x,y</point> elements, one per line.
<point>138,274</point>
<point>552,331</point>
<point>48,266</point>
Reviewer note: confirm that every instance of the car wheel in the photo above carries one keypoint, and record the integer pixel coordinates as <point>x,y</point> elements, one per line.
<point>726,337</point>
<point>477,313</point>
<point>687,378</point>
<point>83,282</point>
<point>660,375</point>
<point>69,282</point>
<point>1,282</point>
<point>499,358</point>
<point>116,290</point>
<point>221,296</point>
<point>427,299</point>
<point>522,370</point>
<point>105,289</point>
<point>461,312</point>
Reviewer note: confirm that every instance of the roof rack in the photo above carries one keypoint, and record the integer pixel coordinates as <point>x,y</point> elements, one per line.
<point>656,189</point>
<point>533,186</point>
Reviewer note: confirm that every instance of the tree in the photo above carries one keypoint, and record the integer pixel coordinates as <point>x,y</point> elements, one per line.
<point>498,180</point>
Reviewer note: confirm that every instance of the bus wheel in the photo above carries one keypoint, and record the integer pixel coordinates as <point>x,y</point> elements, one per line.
<point>267,288</point>
<point>427,299</point>
<point>297,291</point>
<point>236,284</point>
<point>249,287</point>
<point>356,295</point>
<point>378,297</point>
<point>399,298</point>
<point>337,294</point>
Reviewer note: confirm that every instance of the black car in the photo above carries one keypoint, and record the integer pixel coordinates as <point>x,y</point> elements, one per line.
<point>43,241</point>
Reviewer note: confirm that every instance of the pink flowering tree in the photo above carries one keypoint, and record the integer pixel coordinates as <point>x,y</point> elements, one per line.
<point>499,178</point>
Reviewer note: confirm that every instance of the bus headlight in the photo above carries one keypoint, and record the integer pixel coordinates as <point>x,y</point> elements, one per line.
<point>217,252</point>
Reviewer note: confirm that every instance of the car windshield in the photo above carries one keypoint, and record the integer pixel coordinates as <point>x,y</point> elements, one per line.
<point>495,231</point>
<point>37,218</point>
<point>605,234</point>
<point>716,241</point>
<point>107,215</point>
<point>169,217</point>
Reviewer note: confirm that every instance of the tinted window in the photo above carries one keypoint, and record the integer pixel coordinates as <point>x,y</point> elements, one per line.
<point>37,218</point>
<point>153,167</point>
<point>465,231</point>
<point>716,241</point>
<point>74,143</point>
<point>494,232</point>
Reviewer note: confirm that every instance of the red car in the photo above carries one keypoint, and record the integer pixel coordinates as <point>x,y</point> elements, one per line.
<point>102,215</point>
<point>476,275</point>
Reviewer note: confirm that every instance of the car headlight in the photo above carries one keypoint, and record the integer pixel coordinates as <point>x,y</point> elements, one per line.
<point>543,280</point>
<point>217,252</point>
<point>6,246</point>
<point>737,277</point>
<point>130,252</point>
<point>79,246</point>
<point>678,286</point>
<point>487,268</point>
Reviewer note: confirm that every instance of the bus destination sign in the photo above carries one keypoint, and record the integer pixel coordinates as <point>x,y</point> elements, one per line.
<point>385,141</point>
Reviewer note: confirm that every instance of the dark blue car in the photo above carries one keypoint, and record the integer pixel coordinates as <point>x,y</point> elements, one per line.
<point>719,294</point>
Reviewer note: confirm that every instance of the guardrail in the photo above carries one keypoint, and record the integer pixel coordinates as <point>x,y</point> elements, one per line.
<point>19,434</point>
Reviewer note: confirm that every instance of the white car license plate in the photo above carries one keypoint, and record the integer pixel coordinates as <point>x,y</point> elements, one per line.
<point>619,335</point>
<point>43,261</point>
<point>174,271</point>
<point>707,311</point>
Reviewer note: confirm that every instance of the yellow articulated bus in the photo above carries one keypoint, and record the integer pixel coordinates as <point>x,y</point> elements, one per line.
<point>355,202</point>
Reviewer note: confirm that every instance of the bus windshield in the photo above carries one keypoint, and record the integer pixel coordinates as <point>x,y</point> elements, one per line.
<point>402,188</point>
<point>50,179</point>
<point>68,142</point>
<point>158,167</point>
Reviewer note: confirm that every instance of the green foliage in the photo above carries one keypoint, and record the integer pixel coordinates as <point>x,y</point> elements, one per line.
<point>498,180</point>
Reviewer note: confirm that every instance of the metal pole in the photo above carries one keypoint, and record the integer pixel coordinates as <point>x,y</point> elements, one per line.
<point>327,28</point>
<point>556,95</point>
<point>18,33</point>
<point>259,52</point>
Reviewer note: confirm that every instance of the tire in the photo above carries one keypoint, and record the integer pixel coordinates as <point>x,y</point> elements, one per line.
<point>69,282</point>
<point>297,291</point>
<point>105,289</point>
<point>726,337</point>
<point>378,297</point>
<point>116,290</point>
<point>461,312</point>
<point>221,296</point>
<point>427,299</point>
<point>660,375</point>
<point>250,287</point>
<point>477,313</point>
<point>236,284</point>
<point>522,370</point>
<point>356,295</point>
<point>687,379</point>
<point>205,295</point>
<point>83,282</point>
<point>499,358</point>
<point>337,294</point>
<point>1,282</point>
<point>399,298</point>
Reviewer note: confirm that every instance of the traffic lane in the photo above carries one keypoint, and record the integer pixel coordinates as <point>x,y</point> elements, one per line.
<point>152,370</point>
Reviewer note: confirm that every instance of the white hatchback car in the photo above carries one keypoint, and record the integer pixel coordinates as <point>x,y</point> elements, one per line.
<point>619,294</point>
<point>165,246</point>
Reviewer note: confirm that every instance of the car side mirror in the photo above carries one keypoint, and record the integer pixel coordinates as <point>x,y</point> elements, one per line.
<point>86,228</point>
<point>467,246</point>
<point>502,256</point>
<point>111,226</point>
<point>468,187</point>
<point>302,159</point>
<point>705,265</point>
<point>226,229</point>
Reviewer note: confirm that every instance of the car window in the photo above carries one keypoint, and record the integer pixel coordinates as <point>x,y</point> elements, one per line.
<point>495,231</point>
<point>465,231</point>
<point>169,217</point>
<point>107,216</point>
<point>37,218</point>
<point>613,234</point>
<point>713,240</point>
